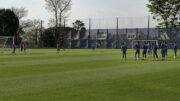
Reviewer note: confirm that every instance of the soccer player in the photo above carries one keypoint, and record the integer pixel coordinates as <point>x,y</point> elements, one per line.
<point>163,50</point>
<point>137,47</point>
<point>155,48</point>
<point>144,50</point>
<point>175,49</point>
<point>58,48</point>
<point>166,50</point>
<point>14,48</point>
<point>149,49</point>
<point>93,47</point>
<point>124,49</point>
<point>63,47</point>
<point>24,46</point>
<point>21,46</point>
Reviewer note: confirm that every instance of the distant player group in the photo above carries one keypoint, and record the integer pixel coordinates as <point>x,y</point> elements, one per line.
<point>22,47</point>
<point>151,49</point>
<point>148,48</point>
<point>58,46</point>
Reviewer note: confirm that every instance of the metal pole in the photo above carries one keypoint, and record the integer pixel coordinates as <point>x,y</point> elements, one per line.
<point>62,33</point>
<point>89,37</point>
<point>107,38</point>
<point>117,32</point>
<point>148,27</point>
<point>41,27</point>
<point>137,33</point>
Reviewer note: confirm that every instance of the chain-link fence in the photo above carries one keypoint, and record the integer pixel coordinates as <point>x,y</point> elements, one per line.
<point>111,32</point>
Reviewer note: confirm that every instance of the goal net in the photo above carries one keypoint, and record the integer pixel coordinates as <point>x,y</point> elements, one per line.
<point>6,44</point>
<point>142,42</point>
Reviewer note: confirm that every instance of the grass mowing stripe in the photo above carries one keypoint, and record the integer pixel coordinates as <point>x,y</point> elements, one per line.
<point>81,75</point>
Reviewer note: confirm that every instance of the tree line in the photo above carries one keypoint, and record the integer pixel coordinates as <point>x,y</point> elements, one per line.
<point>12,22</point>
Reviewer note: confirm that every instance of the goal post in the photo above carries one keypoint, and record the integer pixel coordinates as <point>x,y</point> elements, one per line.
<point>142,41</point>
<point>6,44</point>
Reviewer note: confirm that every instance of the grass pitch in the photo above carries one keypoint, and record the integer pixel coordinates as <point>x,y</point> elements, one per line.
<point>83,75</point>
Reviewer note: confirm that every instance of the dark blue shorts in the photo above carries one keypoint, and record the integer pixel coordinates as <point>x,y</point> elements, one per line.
<point>124,52</point>
<point>166,50</point>
<point>149,50</point>
<point>163,51</point>
<point>175,50</point>
<point>155,52</point>
<point>144,52</point>
<point>93,47</point>
<point>137,51</point>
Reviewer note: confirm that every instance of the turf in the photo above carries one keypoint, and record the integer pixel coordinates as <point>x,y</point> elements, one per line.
<point>83,75</point>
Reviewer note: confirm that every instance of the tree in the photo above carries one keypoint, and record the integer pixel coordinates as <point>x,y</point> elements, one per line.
<point>59,8</point>
<point>77,25</point>
<point>64,6</point>
<point>36,29</point>
<point>33,31</point>
<point>47,39</point>
<point>52,6</point>
<point>9,23</point>
<point>20,12</point>
<point>167,12</point>
<point>23,24</point>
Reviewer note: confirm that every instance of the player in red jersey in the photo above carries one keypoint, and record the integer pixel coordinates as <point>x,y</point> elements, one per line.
<point>14,48</point>
<point>58,48</point>
<point>63,48</point>
<point>21,46</point>
<point>24,46</point>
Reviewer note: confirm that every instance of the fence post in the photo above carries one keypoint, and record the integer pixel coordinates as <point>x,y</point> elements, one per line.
<point>159,33</point>
<point>117,32</point>
<point>89,37</point>
<point>137,33</point>
<point>148,30</point>
<point>107,38</point>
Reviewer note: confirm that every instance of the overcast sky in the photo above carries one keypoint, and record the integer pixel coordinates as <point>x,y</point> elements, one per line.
<point>84,9</point>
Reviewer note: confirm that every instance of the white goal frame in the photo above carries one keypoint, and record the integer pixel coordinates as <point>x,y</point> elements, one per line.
<point>7,37</point>
<point>4,48</point>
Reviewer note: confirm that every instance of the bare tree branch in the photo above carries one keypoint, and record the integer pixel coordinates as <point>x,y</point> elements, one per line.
<point>20,12</point>
<point>64,6</point>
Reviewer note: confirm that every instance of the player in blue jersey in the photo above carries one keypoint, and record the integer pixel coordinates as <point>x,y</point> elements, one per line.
<point>124,49</point>
<point>149,49</point>
<point>163,50</point>
<point>166,50</point>
<point>175,49</point>
<point>137,47</point>
<point>145,47</point>
<point>155,48</point>
<point>93,46</point>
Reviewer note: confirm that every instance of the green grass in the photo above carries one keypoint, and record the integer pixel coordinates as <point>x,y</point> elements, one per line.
<point>83,75</point>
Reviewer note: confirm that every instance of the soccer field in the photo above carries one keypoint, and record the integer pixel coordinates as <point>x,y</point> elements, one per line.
<point>83,75</point>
